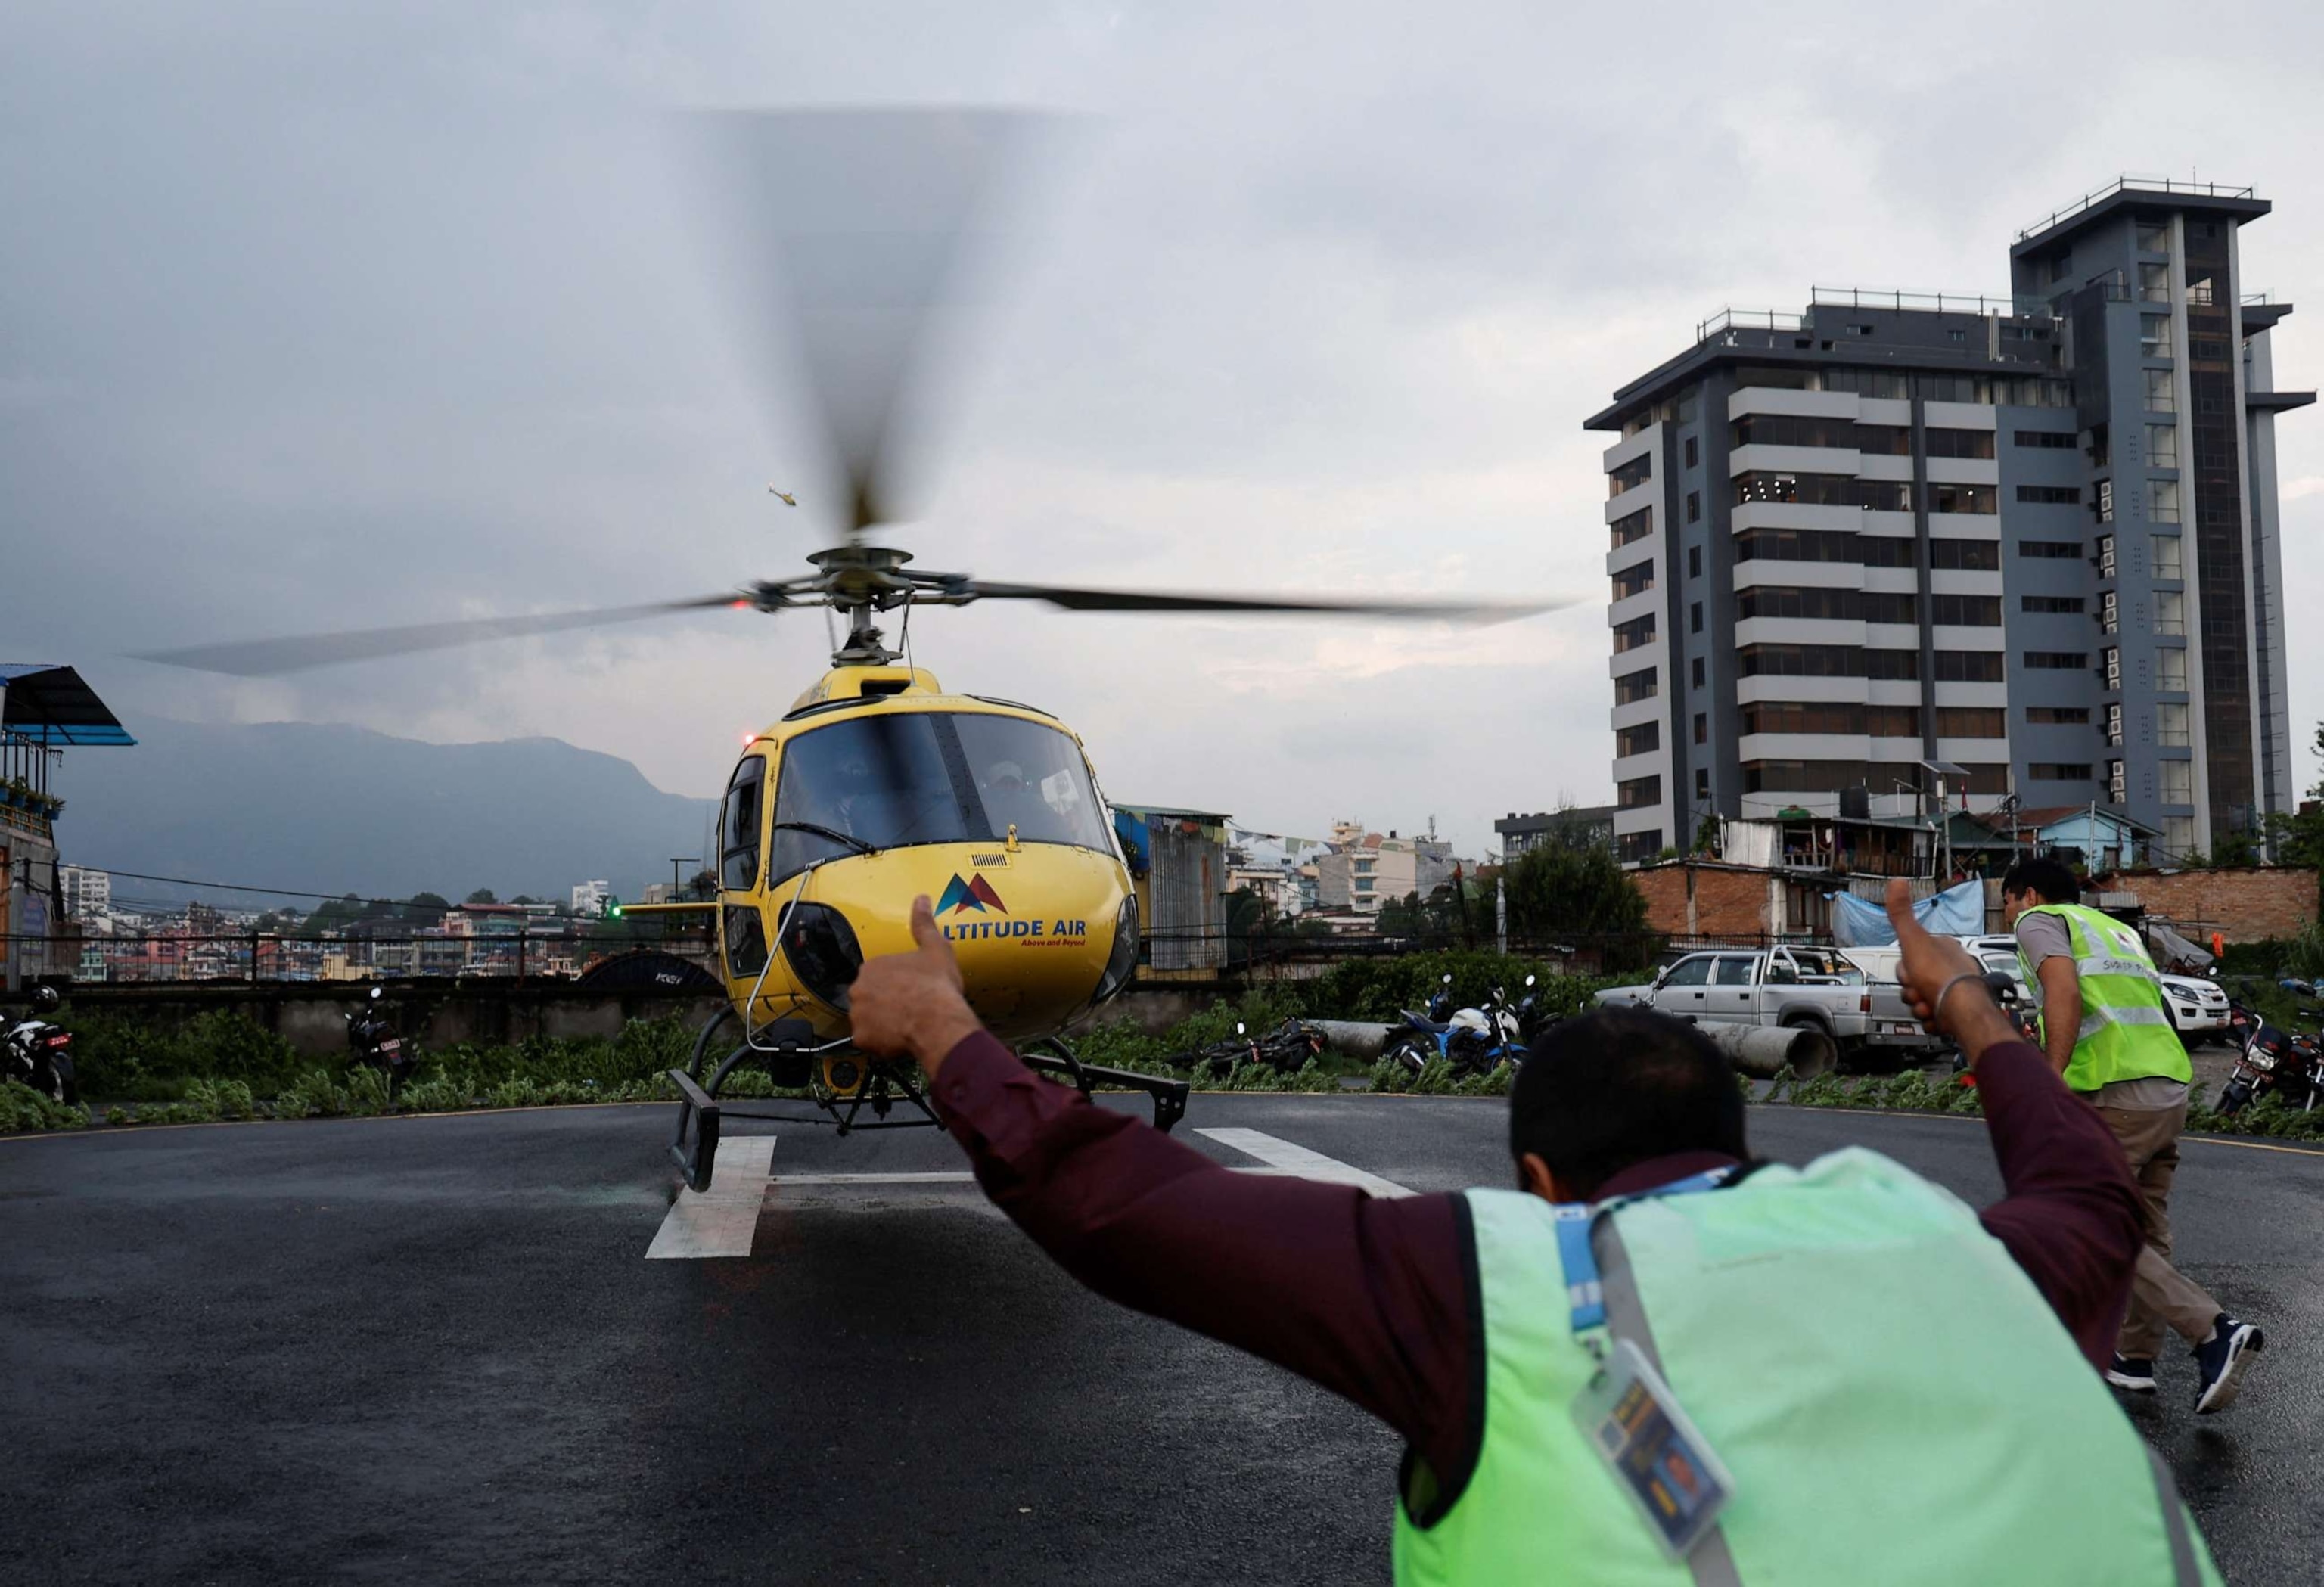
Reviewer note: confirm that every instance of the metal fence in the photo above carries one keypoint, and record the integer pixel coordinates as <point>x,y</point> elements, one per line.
<point>265,957</point>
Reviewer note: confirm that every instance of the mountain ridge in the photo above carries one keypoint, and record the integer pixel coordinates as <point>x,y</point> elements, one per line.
<point>344,809</point>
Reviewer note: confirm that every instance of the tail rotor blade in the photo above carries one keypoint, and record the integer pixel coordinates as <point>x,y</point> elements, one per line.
<point>268,657</point>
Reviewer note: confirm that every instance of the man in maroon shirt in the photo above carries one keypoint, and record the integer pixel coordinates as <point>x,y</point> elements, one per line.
<point>1374,1298</point>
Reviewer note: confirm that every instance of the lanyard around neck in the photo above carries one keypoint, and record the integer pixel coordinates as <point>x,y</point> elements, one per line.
<point>1583,1293</point>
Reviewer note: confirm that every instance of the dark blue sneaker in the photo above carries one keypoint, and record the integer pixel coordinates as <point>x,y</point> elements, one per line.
<point>2134,1373</point>
<point>2222,1359</point>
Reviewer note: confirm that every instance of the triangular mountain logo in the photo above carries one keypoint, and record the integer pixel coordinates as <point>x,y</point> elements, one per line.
<point>977,894</point>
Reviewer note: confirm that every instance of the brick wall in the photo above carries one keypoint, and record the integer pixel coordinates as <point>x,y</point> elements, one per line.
<point>2247,905</point>
<point>1688,900</point>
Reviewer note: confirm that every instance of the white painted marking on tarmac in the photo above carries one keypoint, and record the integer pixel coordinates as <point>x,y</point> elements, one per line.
<point>722,1221</point>
<point>956,1177</point>
<point>1281,1156</point>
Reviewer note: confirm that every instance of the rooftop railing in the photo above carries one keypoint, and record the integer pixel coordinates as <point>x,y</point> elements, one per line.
<point>2127,183</point>
<point>1932,302</point>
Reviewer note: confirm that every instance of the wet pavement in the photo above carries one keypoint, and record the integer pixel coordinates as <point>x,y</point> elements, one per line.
<point>434,1349</point>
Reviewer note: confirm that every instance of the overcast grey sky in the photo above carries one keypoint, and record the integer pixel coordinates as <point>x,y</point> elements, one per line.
<point>361,314</point>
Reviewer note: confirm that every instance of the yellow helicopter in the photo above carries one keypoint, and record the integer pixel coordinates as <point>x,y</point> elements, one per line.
<point>878,785</point>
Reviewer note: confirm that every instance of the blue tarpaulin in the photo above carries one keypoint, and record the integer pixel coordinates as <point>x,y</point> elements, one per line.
<point>1860,923</point>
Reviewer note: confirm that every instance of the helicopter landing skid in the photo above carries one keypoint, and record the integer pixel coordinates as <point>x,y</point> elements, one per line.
<point>700,1116</point>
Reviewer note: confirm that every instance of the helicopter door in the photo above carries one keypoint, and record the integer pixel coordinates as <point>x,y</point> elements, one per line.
<point>740,823</point>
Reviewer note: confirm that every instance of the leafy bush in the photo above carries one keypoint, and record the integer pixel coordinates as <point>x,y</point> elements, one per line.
<point>23,1108</point>
<point>2303,952</point>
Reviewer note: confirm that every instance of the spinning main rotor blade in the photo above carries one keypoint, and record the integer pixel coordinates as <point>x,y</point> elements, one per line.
<point>860,219</point>
<point>1086,600</point>
<point>265,657</point>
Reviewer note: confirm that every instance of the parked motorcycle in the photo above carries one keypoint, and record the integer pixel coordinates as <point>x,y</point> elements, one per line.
<point>1470,1041</point>
<point>1287,1048</point>
<point>2272,1061</point>
<point>38,1052</point>
<point>372,1042</point>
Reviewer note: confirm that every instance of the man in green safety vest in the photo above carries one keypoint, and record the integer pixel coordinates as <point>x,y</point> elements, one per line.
<point>1656,1360</point>
<point>2107,1031</point>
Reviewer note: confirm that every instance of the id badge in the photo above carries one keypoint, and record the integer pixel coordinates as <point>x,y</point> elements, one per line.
<point>1629,1416</point>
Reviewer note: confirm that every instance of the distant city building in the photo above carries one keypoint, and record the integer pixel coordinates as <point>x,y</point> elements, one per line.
<point>1365,869</point>
<point>589,898</point>
<point>1575,826</point>
<point>86,895</point>
<point>2027,545</point>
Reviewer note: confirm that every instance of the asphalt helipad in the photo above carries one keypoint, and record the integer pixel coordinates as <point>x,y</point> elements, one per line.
<point>475,1348</point>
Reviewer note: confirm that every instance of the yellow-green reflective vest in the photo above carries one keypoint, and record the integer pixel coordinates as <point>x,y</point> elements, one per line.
<point>2125,1032</point>
<point>1893,1398</point>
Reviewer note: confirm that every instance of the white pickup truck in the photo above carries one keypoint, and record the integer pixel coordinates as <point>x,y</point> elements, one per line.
<point>1812,988</point>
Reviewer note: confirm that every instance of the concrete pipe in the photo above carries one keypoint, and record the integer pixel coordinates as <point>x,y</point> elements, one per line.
<point>1761,1050</point>
<point>1358,1039</point>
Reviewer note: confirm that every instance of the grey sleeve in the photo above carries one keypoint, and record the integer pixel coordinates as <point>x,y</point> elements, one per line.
<point>2042,936</point>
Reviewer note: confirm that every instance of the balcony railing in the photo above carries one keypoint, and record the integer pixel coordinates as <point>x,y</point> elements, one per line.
<point>2127,183</point>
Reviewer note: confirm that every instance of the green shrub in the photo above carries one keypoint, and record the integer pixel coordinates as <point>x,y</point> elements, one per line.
<point>2303,951</point>
<point>312,1095</point>
<point>23,1108</point>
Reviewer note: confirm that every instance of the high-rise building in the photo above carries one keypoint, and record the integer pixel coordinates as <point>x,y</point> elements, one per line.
<point>590,898</point>
<point>2029,545</point>
<point>86,895</point>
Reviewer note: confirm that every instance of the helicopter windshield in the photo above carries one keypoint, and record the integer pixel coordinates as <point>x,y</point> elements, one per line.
<point>900,778</point>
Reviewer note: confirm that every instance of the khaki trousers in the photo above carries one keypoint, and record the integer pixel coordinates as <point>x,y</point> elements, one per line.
<point>2159,1292</point>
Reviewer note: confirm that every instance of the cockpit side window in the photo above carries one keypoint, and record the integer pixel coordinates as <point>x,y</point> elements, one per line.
<point>739,824</point>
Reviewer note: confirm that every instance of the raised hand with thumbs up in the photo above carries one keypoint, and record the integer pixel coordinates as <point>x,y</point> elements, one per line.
<point>912,1002</point>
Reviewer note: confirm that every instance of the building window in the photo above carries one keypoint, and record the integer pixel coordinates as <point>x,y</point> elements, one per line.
<point>2155,336</point>
<point>1972,722</point>
<point>1635,526</point>
<point>1886,440</point>
<point>2154,283</point>
<point>2163,500</point>
<point>1800,661</point>
<point>1695,561</point>
<point>2154,238</point>
<point>2057,660</point>
<point>1827,489</point>
<point>1630,475</point>
<point>2058,715</point>
<point>2178,781</point>
<point>1701,782</point>
<point>1637,740</point>
<point>1961,498</point>
<point>2058,771</point>
<point>1810,601</point>
<point>1634,581</point>
<point>1636,848</point>
<point>2050,603</point>
<point>2170,724</point>
<point>2169,559</point>
<point>1893,721</point>
<point>1959,443</point>
<point>1801,776</point>
<point>1633,687</point>
<point>1966,556</point>
<point>1698,672</point>
<point>1886,551</point>
<point>2071,495</point>
<point>2170,670</point>
<point>1794,429</point>
<point>1892,666</point>
<point>1888,606</point>
<point>1956,333</point>
<point>1966,611</point>
<point>1702,727</point>
<point>1636,632</point>
<point>2056,440</point>
<point>1797,545</point>
<point>1695,618</point>
<point>2162,395</point>
<point>1693,455</point>
<point>2178,836</point>
<point>1969,666</point>
<point>2170,612</point>
<point>2162,446</point>
<point>1694,507</point>
<point>2059,550</point>
<point>1805,716</point>
<point>1637,792</point>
